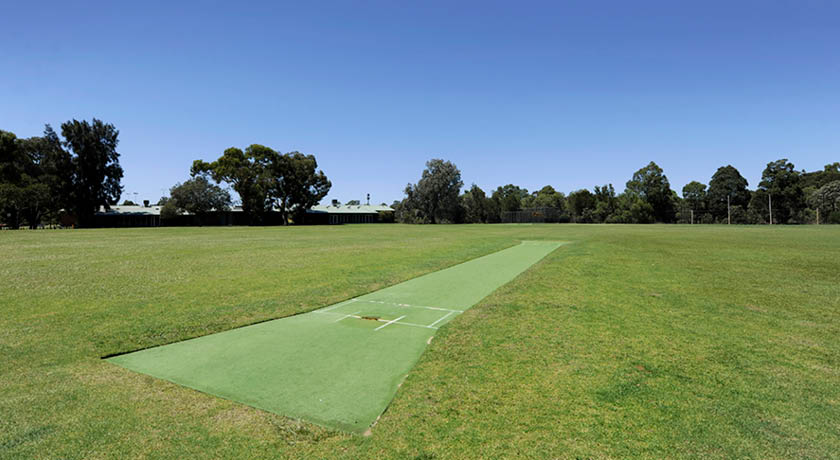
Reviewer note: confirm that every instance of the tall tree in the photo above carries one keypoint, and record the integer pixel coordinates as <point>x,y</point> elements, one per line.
<point>198,196</point>
<point>694,194</point>
<point>816,179</point>
<point>727,182</point>
<point>246,174</point>
<point>651,184</point>
<point>51,167</point>
<point>96,166</point>
<point>827,200</point>
<point>782,182</point>
<point>435,197</point>
<point>474,202</point>
<point>581,204</point>
<point>12,164</point>
<point>264,178</point>
<point>297,184</point>
<point>508,198</point>
<point>632,209</point>
<point>408,211</point>
<point>693,203</point>
<point>35,177</point>
<point>605,203</point>
<point>547,197</point>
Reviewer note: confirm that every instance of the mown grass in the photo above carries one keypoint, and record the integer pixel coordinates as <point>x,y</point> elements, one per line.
<point>633,341</point>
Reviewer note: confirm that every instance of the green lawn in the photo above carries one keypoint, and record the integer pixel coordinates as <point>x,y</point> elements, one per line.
<point>332,366</point>
<point>632,341</point>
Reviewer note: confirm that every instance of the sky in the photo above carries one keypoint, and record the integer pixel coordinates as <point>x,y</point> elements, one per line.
<point>561,93</point>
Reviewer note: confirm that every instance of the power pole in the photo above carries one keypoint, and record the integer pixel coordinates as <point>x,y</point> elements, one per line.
<point>728,212</point>
<point>770,206</point>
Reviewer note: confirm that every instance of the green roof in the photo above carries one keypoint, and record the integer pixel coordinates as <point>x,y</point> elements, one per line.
<point>154,210</point>
<point>349,209</point>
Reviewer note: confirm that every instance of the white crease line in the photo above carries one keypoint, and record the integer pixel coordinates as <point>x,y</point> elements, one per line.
<point>389,322</point>
<point>347,316</point>
<point>412,306</point>
<point>441,318</point>
<point>414,324</point>
<point>401,322</point>
<point>378,319</point>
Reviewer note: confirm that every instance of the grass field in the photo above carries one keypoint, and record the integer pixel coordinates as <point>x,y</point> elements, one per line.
<point>339,366</point>
<point>632,341</point>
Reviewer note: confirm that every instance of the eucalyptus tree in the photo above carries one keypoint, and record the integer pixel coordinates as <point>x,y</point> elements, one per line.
<point>95,166</point>
<point>198,196</point>
<point>475,204</point>
<point>651,185</point>
<point>296,184</point>
<point>547,197</point>
<point>581,204</point>
<point>35,178</point>
<point>781,191</point>
<point>266,179</point>
<point>435,197</point>
<point>826,200</point>
<point>508,198</point>
<point>245,174</point>
<point>726,190</point>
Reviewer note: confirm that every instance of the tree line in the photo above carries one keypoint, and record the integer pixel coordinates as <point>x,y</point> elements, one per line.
<point>267,182</point>
<point>788,195</point>
<point>78,173</point>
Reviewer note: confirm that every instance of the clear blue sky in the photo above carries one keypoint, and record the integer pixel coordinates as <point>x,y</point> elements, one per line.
<point>572,94</point>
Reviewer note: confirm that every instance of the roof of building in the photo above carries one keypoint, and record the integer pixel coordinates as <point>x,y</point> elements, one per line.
<point>349,209</point>
<point>152,210</point>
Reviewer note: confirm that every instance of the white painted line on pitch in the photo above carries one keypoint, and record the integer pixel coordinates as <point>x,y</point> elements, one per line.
<point>441,318</point>
<point>402,323</point>
<point>390,322</point>
<point>347,316</point>
<point>414,325</point>
<point>355,315</point>
<point>411,306</point>
<point>438,308</point>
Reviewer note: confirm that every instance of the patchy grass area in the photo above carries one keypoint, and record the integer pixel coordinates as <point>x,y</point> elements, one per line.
<point>633,341</point>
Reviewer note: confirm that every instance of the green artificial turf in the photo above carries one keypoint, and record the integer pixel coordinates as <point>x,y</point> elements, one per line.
<point>648,341</point>
<point>339,366</point>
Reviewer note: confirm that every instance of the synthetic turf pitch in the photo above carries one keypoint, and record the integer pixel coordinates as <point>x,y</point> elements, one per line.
<point>341,365</point>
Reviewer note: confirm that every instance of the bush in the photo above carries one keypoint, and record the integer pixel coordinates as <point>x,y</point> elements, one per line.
<point>169,210</point>
<point>739,216</point>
